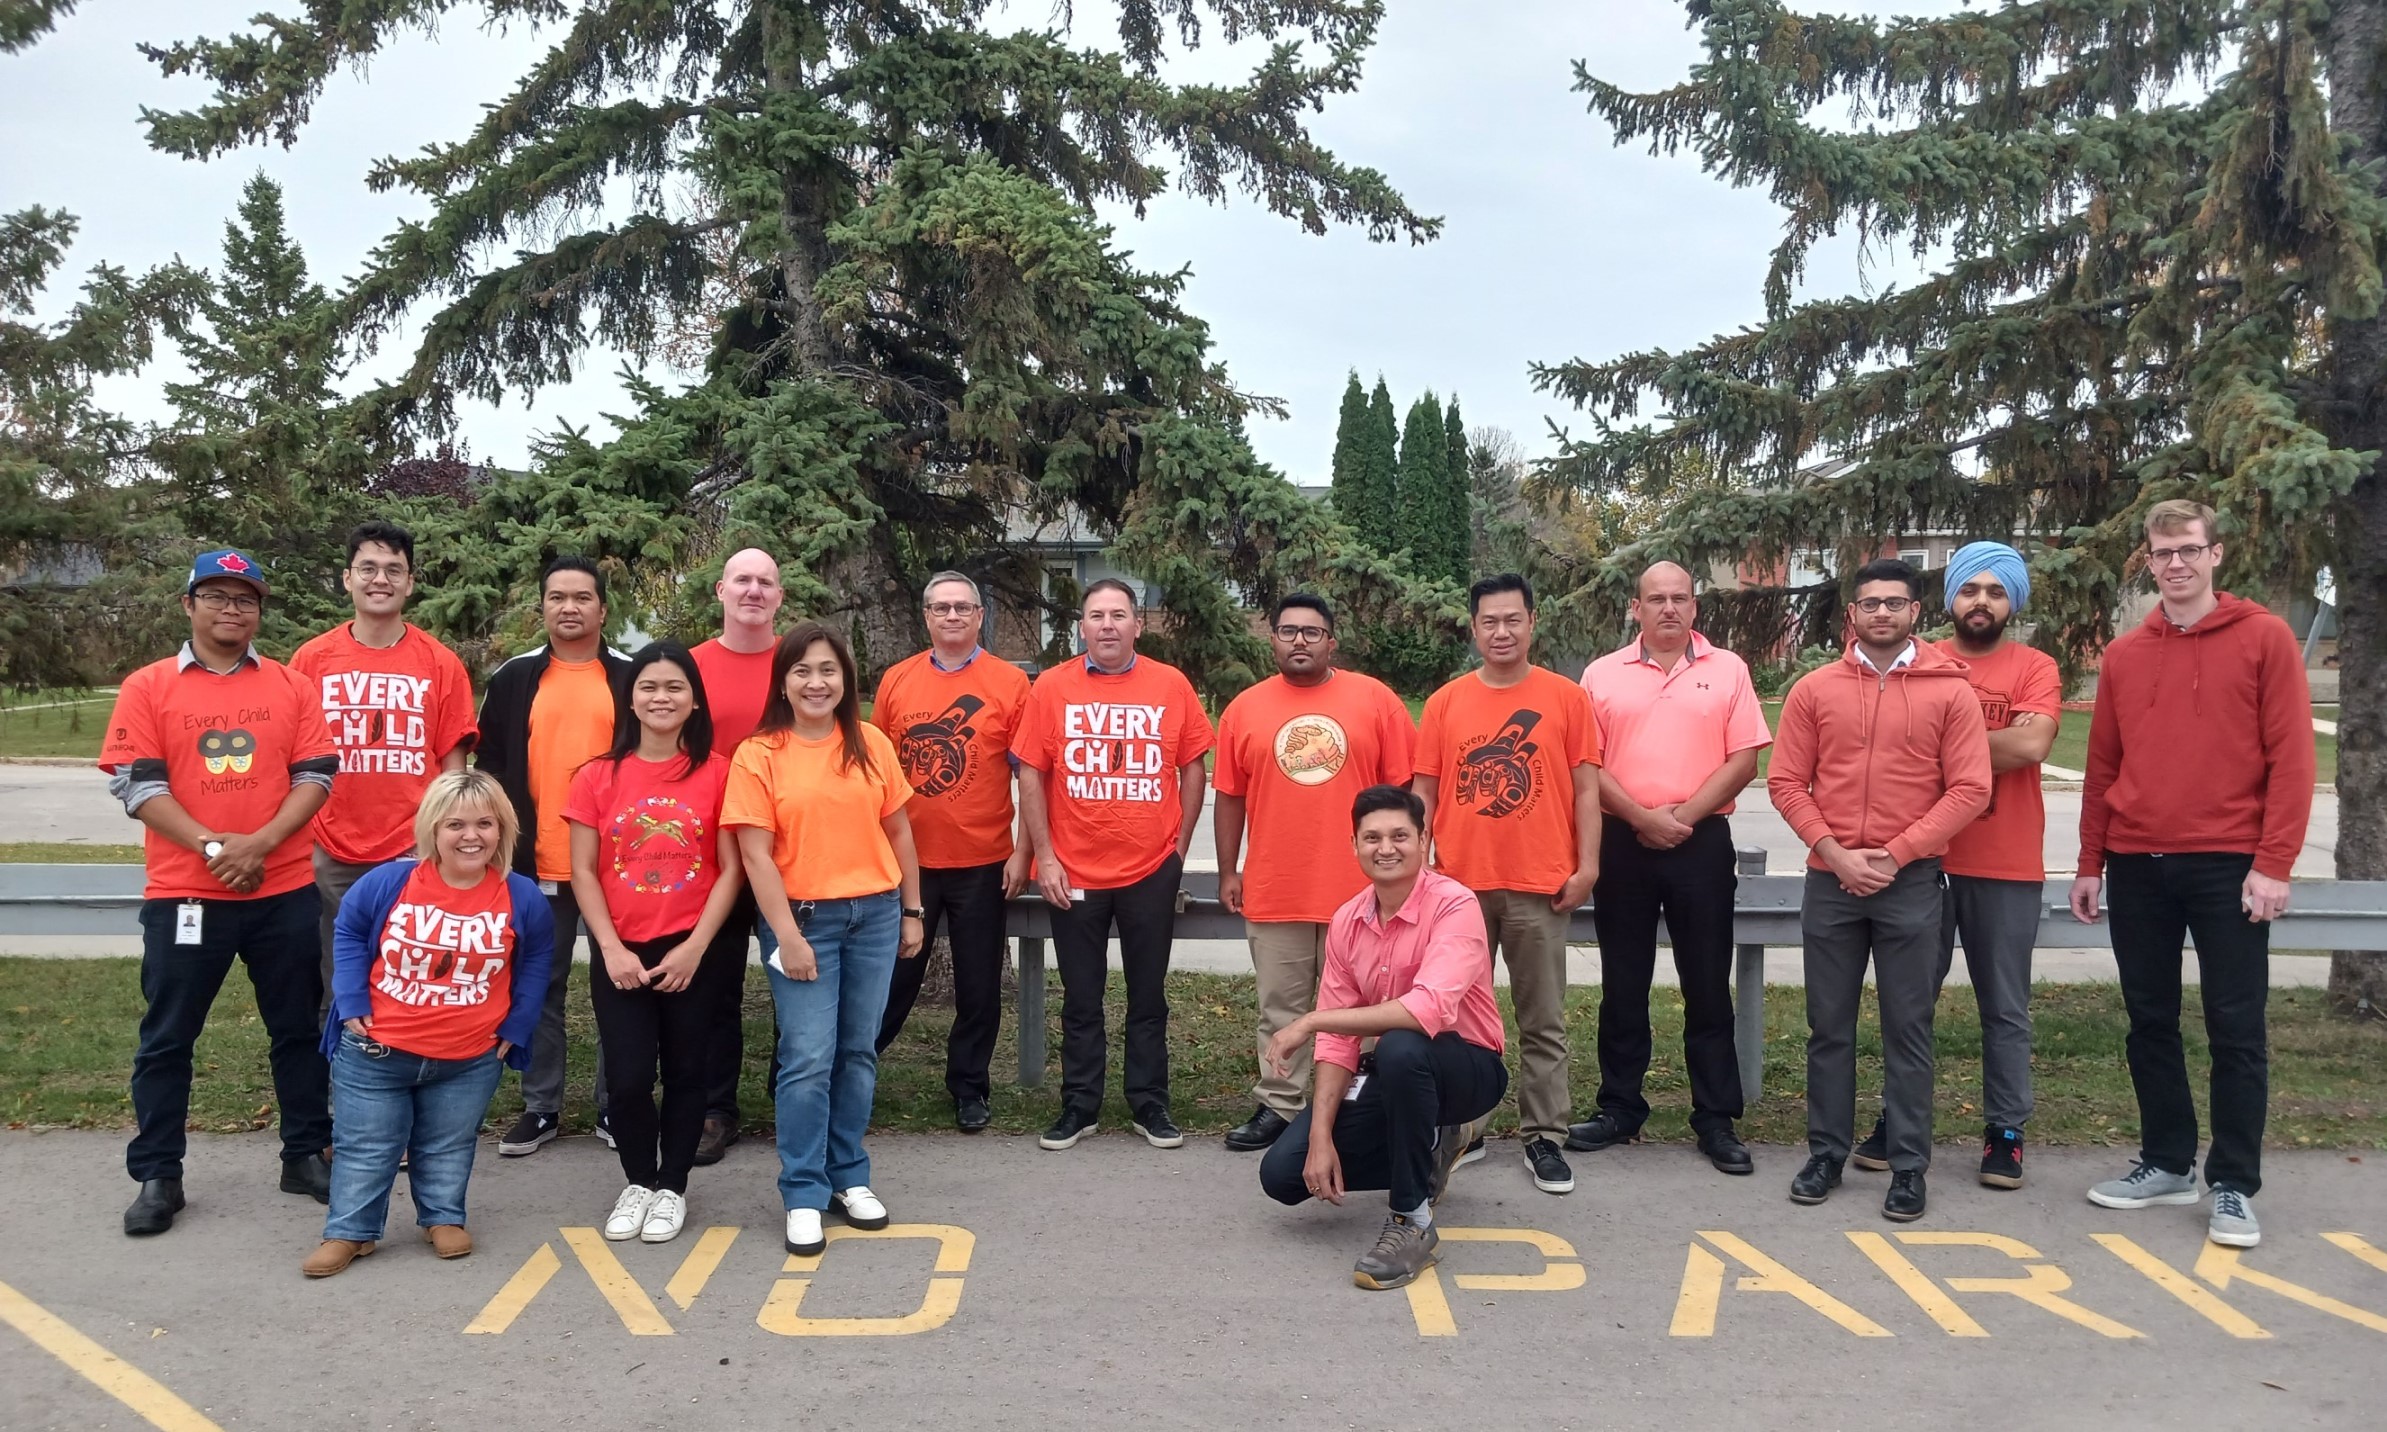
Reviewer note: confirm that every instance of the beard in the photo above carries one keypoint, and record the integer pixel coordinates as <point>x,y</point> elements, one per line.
<point>1983,627</point>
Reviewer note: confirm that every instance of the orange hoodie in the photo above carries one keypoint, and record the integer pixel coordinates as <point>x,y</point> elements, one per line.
<point>1897,762</point>
<point>2202,741</point>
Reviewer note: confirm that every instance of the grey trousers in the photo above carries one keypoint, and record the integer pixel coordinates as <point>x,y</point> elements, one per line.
<point>543,1082</point>
<point>1998,922</point>
<point>1898,927</point>
<point>332,879</point>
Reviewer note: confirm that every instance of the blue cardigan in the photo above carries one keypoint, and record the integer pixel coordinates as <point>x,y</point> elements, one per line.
<point>357,935</point>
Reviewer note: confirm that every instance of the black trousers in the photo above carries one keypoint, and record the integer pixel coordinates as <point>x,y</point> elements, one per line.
<point>729,1053</point>
<point>1146,916</point>
<point>1386,1135</point>
<point>642,1030</point>
<point>275,936</point>
<point>1692,887</point>
<point>2153,902</point>
<point>968,901</point>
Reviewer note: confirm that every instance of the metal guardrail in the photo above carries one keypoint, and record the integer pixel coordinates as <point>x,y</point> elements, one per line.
<point>103,900</point>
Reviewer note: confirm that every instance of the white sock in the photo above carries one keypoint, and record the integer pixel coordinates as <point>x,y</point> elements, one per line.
<point>1422,1215</point>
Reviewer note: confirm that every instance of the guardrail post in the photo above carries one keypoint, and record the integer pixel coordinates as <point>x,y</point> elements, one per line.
<point>1031,1012</point>
<point>1748,993</point>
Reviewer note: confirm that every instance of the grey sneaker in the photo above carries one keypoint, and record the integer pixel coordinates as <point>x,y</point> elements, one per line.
<point>2144,1187</point>
<point>2233,1224</point>
<point>1403,1250</point>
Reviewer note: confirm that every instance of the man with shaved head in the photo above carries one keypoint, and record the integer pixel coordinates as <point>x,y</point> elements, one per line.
<point>1681,727</point>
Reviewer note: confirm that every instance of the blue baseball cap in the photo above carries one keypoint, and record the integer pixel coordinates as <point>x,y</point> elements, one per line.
<point>223,562</point>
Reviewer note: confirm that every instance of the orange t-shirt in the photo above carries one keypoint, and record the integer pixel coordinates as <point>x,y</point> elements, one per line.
<point>736,685</point>
<point>439,982</point>
<point>224,746</point>
<point>1504,759</point>
<point>954,730</point>
<point>395,713</point>
<point>2008,840</point>
<point>1299,755</point>
<point>824,819</point>
<point>1109,747</point>
<point>571,720</point>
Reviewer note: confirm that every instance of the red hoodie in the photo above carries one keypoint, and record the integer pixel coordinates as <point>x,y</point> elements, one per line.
<point>1897,762</point>
<point>2201,741</point>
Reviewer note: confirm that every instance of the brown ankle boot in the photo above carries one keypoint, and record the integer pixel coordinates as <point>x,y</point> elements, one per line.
<point>334,1255</point>
<point>448,1240</point>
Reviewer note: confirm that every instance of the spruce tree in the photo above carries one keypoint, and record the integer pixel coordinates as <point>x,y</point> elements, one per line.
<point>1379,525</point>
<point>2162,224</point>
<point>927,332</point>
<point>1350,466</point>
<point>1453,525</point>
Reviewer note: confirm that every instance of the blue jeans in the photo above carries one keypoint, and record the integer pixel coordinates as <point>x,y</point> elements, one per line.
<point>393,1105</point>
<point>828,1044</point>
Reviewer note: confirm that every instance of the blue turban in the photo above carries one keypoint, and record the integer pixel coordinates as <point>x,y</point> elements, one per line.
<point>1997,560</point>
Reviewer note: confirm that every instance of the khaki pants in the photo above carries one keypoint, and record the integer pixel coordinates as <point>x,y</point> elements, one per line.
<point>1532,937</point>
<point>1287,958</point>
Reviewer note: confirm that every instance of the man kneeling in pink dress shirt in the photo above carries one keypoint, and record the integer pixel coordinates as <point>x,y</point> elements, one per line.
<point>1406,964</point>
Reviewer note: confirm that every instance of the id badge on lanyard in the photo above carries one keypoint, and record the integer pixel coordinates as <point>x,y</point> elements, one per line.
<point>187,922</point>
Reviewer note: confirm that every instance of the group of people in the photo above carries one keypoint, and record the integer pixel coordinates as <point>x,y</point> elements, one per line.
<point>676,804</point>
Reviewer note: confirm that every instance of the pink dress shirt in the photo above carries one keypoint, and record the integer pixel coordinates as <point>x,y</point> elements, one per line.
<point>1431,956</point>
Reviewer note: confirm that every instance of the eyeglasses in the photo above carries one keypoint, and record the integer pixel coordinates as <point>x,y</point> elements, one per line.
<point>951,609</point>
<point>1892,605</point>
<point>374,572</point>
<point>1299,634</point>
<point>2192,552</point>
<point>228,601</point>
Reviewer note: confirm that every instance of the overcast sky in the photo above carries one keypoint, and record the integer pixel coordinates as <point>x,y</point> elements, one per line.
<point>1556,243</point>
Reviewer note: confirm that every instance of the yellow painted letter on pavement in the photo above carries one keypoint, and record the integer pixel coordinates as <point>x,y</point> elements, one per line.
<point>2221,1267</point>
<point>2360,1247</point>
<point>2042,1285</point>
<point>528,1282</point>
<point>782,1312</point>
<point>1703,1289</point>
<point>2171,1280</point>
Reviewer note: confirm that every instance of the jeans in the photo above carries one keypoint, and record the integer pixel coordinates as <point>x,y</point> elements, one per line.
<point>1998,921</point>
<point>401,1104</point>
<point>275,936</point>
<point>1692,886</point>
<point>1898,928</point>
<point>1386,1135</point>
<point>828,1044</point>
<point>644,1030</point>
<point>2153,901</point>
<point>1146,914</point>
<point>968,901</point>
<point>543,1083</point>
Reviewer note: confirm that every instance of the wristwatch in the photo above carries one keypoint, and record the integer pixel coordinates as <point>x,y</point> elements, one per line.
<point>914,912</point>
<point>212,849</point>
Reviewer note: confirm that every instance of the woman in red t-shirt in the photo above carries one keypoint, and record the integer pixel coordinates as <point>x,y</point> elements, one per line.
<point>656,874</point>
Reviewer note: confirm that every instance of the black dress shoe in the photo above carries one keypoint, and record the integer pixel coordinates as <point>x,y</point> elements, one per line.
<point>153,1209</point>
<point>1816,1181</point>
<point>1725,1150</point>
<point>1874,1152</point>
<point>1258,1131</point>
<point>971,1116</point>
<point>1904,1202</point>
<point>1600,1131</point>
<point>310,1174</point>
<point>713,1144</point>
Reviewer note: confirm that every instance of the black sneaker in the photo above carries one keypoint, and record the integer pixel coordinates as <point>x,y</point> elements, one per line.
<point>604,1130</point>
<point>1475,1151</point>
<point>1066,1130</point>
<point>1905,1200</point>
<point>1874,1152</point>
<point>528,1133</point>
<point>1263,1128</point>
<point>1601,1131</point>
<point>972,1115</point>
<point>1550,1172</point>
<point>2001,1156</point>
<point>1816,1181</point>
<point>1158,1129</point>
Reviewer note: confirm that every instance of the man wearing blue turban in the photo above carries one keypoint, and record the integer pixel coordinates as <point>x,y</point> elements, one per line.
<point>1997,867</point>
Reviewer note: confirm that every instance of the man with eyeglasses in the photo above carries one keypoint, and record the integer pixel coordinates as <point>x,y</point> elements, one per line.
<point>951,711</point>
<point>222,755</point>
<point>2199,787</point>
<point>399,706</point>
<point>1880,759</point>
<point>1293,752</point>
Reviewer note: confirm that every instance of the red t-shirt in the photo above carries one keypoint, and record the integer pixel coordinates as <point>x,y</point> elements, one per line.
<point>395,713</point>
<point>1298,755</point>
<point>954,730</point>
<point>1109,747</point>
<point>225,745</point>
<point>736,684</point>
<point>2008,840</point>
<point>657,839</point>
<point>439,981</point>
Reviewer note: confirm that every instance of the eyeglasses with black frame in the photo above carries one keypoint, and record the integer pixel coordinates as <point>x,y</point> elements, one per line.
<point>1299,634</point>
<point>1892,605</point>
<point>2190,552</point>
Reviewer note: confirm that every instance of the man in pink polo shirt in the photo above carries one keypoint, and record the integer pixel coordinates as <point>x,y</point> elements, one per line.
<point>1407,964</point>
<point>1680,729</point>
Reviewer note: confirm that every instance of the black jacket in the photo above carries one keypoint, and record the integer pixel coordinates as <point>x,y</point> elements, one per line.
<point>504,751</point>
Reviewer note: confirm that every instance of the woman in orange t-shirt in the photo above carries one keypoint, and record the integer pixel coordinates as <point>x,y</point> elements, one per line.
<point>816,796</point>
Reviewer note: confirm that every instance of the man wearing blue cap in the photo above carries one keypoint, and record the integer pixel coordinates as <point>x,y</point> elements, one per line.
<point>1997,866</point>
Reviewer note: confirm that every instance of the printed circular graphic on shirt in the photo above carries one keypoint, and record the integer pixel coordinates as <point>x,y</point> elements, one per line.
<point>936,752</point>
<point>1310,750</point>
<point>1496,774</point>
<point>220,749</point>
<point>658,845</point>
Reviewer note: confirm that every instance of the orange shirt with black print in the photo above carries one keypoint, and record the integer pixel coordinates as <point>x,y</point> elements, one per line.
<point>953,730</point>
<point>1504,759</point>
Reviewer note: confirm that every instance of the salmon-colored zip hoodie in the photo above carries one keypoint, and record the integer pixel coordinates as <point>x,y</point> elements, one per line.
<point>1897,762</point>
<point>2202,741</point>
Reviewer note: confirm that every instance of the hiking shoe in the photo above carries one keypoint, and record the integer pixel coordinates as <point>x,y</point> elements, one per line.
<point>448,1240</point>
<point>719,1133</point>
<point>334,1255</point>
<point>1600,1131</point>
<point>2232,1224</point>
<point>664,1217</point>
<point>1158,1129</point>
<point>859,1207</point>
<point>2001,1156</point>
<point>1874,1152</point>
<point>1550,1173</point>
<point>1403,1250</point>
<point>1066,1130</point>
<point>1475,1152</point>
<point>1263,1128</point>
<point>2144,1187</point>
<point>1725,1150</point>
<point>1450,1150</point>
<point>528,1133</point>
<point>1814,1183</point>
<point>1905,1201</point>
<point>629,1213</point>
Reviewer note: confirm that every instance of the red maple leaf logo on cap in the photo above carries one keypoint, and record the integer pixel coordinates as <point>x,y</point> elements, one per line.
<point>232,562</point>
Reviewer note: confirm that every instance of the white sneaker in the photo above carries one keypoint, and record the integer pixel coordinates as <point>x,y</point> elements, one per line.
<point>804,1232</point>
<point>859,1207</point>
<point>663,1217</point>
<point>629,1214</point>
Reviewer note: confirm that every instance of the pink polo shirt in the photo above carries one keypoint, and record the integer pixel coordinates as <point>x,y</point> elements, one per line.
<point>1431,956</point>
<point>1663,733</point>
